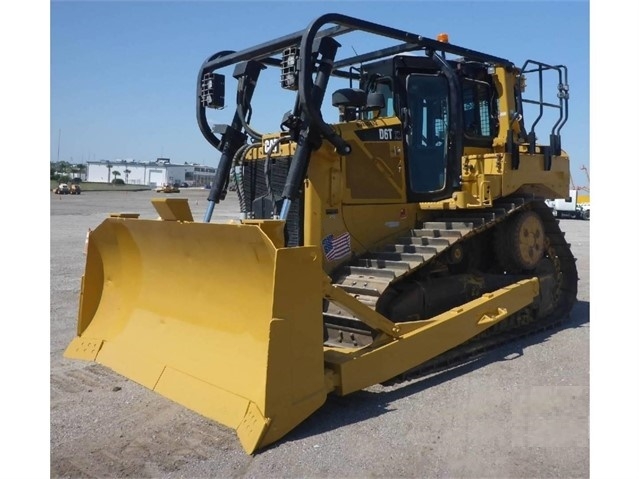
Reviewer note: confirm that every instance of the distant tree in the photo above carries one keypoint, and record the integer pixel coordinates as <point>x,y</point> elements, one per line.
<point>115,174</point>
<point>64,167</point>
<point>126,175</point>
<point>82,168</point>
<point>118,181</point>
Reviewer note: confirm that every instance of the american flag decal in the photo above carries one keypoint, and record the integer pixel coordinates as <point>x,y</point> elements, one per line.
<point>336,247</point>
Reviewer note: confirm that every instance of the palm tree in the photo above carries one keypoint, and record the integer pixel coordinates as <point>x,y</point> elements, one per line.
<point>109,166</point>
<point>115,173</point>
<point>126,175</point>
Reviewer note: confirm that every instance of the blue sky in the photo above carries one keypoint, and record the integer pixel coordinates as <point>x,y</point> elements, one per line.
<point>123,74</point>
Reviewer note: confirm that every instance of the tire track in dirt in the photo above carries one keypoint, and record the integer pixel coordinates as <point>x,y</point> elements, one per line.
<point>142,434</point>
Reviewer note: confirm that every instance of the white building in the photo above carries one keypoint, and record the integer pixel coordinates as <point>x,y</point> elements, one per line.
<point>152,174</point>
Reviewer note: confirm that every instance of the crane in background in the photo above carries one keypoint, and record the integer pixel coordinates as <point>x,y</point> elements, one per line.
<point>585,168</point>
<point>581,197</point>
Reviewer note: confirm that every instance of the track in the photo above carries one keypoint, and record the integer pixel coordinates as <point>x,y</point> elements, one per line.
<point>434,247</point>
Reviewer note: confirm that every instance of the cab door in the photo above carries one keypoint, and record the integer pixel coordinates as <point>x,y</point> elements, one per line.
<point>427,137</point>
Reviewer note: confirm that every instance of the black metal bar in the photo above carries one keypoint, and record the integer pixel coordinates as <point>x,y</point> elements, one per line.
<point>232,139</point>
<point>386,52</point>
<point>272,62</point>
<point>232,136</point>
<point>555,138</point>
<point>247,74</point>
<point>551,105</point>
<point>513,148</point>
<point>455,146</point>
<point>466,53</point>
<point>425,43</point>
<point>563,99</point>
<point>347,75</point>
<point>265,49</point>
<point>540,102</point>
<point>548,156</point>
<point>412,38</point>
<point>346,24</point>
<point>541,66</point>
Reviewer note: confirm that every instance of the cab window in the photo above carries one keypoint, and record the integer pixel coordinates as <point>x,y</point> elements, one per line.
<point>479,108</point>
<point>427,134</point>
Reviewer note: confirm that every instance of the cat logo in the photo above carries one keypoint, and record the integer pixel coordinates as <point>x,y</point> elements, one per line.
<point>271,145</point>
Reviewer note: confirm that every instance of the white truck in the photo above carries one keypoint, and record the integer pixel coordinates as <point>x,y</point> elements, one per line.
<point>569,207</point>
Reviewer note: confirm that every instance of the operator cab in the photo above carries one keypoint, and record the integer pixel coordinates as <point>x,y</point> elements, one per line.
<point>443,109</point>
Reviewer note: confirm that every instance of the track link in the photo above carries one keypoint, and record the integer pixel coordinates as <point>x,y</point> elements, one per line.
<point>367,278</point>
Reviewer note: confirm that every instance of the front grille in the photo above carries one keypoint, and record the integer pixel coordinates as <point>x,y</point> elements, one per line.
<point>253,186</point>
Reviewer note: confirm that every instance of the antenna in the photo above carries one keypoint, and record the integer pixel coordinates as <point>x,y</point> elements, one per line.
<point>361,67</point>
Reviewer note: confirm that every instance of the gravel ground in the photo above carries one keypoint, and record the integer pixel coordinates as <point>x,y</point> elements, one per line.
<point>519,411</point>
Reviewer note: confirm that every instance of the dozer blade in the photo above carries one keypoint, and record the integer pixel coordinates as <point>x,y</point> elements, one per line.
<point>212,316</point>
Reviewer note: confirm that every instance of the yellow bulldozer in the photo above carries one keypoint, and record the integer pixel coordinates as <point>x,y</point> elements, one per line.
<point>410,231</point>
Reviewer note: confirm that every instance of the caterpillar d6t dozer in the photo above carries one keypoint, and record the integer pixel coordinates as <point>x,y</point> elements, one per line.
<point>410,230</point>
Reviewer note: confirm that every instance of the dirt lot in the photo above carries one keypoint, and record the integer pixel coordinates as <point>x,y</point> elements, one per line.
<point>519,411</point>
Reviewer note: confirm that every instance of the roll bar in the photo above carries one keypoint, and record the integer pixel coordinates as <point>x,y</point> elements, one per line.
<point>317,49</point>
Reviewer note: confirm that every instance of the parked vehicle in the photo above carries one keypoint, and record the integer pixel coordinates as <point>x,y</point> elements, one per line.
<point>570,207</point>
<point>167,189</point>
<point>62,189</point>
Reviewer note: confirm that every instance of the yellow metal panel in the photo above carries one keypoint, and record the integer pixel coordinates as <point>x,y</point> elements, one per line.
<point>295,375</point>
<point>374,170</point>
<point>369,316</point>
<point>252,428</point>
<point>203,397</point>
<point>274,229</point>
<point>375,225</point>
<point>173,209</point>
<point>531,178</point>
<point>320,217</point>
<point>84,348</point>
<point>420,341</point>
